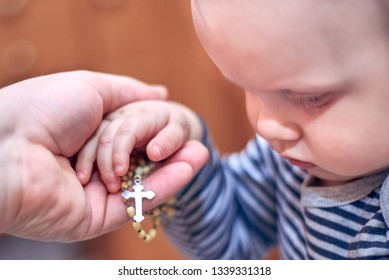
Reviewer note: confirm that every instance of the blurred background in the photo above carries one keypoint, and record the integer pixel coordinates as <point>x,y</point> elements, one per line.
<point>151,40</point>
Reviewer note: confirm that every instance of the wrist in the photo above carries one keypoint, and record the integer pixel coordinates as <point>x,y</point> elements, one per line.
<point>194,123</point>
<point>10,177</point>
<point>9,160</point>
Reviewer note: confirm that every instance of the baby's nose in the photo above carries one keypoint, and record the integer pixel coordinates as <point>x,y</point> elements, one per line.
<point>275,130</point>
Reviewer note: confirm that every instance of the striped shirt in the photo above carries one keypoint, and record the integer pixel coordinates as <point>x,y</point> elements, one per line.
<point>241,205</point>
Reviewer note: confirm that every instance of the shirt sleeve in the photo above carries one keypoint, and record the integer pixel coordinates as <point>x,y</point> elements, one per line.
<point>228,210</point>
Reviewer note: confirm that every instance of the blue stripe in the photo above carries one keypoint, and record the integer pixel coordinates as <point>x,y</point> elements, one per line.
<point>375,231</point>
<point>327,238</point>
<point>332,225</point>
<point>324,253</point>
<point>345,214</point>
<point>368,244</point>
<point>366,207</point>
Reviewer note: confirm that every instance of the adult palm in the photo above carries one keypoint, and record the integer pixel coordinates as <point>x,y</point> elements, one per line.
<point>44,123</point>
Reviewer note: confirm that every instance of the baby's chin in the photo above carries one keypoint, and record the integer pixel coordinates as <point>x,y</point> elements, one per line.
<point>334,178</point>
<point>327,178</point>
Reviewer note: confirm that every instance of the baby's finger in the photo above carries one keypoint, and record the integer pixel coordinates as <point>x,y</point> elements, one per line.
<point>87,155</point>
<point>130,133</point>
<point>135,133</point>
<point>104,156</point>
<point>169,140</point>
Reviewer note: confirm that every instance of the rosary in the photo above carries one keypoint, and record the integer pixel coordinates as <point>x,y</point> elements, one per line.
<point>141,166</point>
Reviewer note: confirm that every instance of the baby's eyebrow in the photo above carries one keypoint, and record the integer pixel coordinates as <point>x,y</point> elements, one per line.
<point>310,85</point>
<point>315,87</point>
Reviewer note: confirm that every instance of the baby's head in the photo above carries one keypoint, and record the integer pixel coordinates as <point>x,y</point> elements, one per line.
<point>315,75</point>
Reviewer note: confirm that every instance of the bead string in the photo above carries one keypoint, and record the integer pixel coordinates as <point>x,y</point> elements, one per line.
<point>140,166</point>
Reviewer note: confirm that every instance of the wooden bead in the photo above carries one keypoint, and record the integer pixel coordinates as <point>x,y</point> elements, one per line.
<point>131,211</point>
<point>171,201</point>
<point>153,233</point>
<point>137,226</point>
<point>146,169</point>
<point>147,238</point>
<point>140,166</point>
<point>142,162</point>
<point>124,186</point>
<point>156,212</point>
<point>157,221</point>
<point>141,233</point>
<point>170,211</point>
<point>138,170</point>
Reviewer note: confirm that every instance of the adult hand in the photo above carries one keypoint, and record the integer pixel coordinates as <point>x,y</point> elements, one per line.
<point>44,122</point>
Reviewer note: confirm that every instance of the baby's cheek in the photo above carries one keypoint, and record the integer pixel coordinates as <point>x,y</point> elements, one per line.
<point>347,155</point>
<point>253,109</point>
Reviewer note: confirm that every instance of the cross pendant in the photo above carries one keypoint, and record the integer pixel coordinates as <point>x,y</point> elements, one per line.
<point>138,194</point>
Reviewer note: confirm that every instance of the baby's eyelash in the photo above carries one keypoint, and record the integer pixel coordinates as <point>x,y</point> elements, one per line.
<point>312,101</point>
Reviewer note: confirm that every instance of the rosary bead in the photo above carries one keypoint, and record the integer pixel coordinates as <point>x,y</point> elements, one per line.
<point>146,169</point>
<point>156,212</point>
<point>124,178</point>
<point>138,170</point>
<point>153,233</point>
<point>157,221</point>
<point>147,238</point>
<point>137,226</point>
<point>171,201</point>
<point>142,162</point>
<point>170,211</point>
<point>141,234</point>
<point>139,167</point>
<point>124,186</point>
<point>131,211</point>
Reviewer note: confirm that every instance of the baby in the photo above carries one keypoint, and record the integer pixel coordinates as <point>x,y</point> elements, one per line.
<point>314,181</point>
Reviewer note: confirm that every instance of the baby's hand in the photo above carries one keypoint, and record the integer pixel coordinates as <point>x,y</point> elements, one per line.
<point>161,128</point>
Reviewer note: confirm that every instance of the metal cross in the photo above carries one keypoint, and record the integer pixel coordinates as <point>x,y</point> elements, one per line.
<point>138,195</point>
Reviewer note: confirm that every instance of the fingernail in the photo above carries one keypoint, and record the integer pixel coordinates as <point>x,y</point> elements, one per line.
<point>112,188</point>
<point>80,174</point>
<point>119,169</point>
<point>157,151</point>
<point>161,89</point>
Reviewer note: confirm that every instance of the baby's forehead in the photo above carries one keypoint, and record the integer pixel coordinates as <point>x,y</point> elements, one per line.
<point>295,22</point>
<point>273,39</point>
<point>262,18</point>
<point>273,13</point>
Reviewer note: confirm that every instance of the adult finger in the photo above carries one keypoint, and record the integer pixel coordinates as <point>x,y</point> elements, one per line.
<point>118,90</point>
<point>169,140</point>
<point>166,182</point>
<point>176,172</point>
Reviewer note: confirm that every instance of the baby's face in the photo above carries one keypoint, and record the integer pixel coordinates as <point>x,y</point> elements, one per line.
<point>315,75</point>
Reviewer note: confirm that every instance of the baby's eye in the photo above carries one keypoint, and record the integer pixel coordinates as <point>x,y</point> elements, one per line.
<point>312,101</point>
